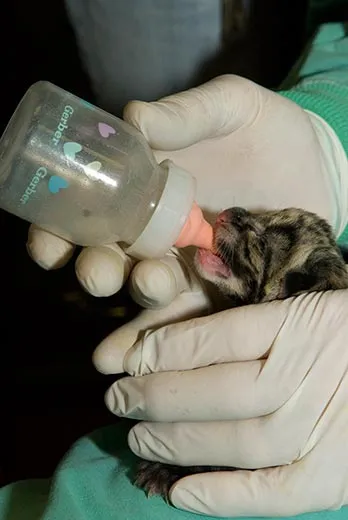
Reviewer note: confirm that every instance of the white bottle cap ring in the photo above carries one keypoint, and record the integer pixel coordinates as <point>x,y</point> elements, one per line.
<point>169,217</point>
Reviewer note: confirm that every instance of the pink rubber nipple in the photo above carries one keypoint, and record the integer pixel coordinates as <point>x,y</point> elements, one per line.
<point>196,231</point>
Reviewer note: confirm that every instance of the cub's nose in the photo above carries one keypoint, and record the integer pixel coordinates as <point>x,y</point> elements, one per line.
<point>232,215</point>
<point>222,218</point>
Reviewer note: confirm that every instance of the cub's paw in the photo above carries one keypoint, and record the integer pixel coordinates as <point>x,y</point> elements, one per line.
<point>156,478</point>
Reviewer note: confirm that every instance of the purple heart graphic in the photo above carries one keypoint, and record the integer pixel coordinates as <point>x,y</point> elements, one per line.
<point>105,130</point>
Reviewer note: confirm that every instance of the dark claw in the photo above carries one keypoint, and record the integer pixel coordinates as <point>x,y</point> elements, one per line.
<point>156,478</point>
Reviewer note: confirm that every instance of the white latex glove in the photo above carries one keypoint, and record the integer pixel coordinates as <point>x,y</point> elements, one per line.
<point>264,386</point>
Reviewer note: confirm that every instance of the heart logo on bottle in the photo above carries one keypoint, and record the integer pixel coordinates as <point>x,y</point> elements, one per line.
<point>55,184</point>
<point>71,149</point>
<point>95,165</point>
<point>105,130</point>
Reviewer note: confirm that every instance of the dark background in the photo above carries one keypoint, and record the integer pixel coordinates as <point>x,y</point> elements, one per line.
<point>51,393</point>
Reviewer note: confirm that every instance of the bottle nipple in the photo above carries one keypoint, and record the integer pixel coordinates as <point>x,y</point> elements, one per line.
<point>196,231</point>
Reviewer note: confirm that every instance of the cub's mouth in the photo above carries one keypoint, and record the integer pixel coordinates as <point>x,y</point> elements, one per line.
<point>212,264</point>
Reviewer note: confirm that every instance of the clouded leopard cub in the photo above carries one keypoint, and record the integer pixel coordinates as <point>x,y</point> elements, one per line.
<point>259,256</point>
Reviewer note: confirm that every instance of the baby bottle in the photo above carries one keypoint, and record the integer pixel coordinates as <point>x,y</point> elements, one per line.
<point>89,177</point>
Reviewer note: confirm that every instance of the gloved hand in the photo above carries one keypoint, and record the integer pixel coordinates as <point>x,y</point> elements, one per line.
<point>263,386</point>
<point>247,146</point>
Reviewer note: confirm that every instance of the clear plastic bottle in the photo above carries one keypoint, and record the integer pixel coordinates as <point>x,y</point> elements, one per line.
<point>89,177</point>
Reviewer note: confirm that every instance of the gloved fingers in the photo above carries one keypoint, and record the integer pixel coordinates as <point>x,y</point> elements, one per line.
<point>100,270</point>
<point>109,356</point>
<point>214,109</point>
<point>274,431</point>
<point>280,332</point>
<point>47,250</point>
<point>282,328</point>
<point>228,391</point>
<point>248,444</point>
<point>272,492</point>
<point>154,284</point>
<point>241,334</point>
<point>103,270</point>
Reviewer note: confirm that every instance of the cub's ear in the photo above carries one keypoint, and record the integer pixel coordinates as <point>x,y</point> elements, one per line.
<point>323,270</point>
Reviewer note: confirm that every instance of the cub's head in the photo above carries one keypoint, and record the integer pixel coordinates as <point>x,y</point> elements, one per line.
<point>268,255</point>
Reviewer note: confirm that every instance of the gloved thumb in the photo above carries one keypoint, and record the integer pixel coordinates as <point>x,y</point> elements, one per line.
<point>214,109</point>
<point>232,493</point>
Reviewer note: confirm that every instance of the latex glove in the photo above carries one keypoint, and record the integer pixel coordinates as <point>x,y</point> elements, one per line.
<point>264,386</point>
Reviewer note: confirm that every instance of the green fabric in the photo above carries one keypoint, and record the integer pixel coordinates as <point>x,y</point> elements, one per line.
<point>93,482</point>
<point>320,83</point>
